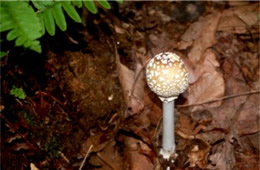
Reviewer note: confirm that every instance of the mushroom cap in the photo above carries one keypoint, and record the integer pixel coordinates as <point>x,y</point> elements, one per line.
<point>166,75</point>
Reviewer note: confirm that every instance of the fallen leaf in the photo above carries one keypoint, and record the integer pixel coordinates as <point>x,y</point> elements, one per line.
<point>198,156</point>
<point>33,167</point>
<point>209,83</point>
<point>247,160</point>
<point>193,32</point>
<point>234,84</point>
<point>186,125</point>
<point>248,120</point>
<point>206,38</point>
<point>240,20</point>
<point>119,30</point>
<point>223,157</point>
<point>134,152</point>
<point>127,79</point>
<point>21,146</point>
<point>111,155</point>
<point>133,85</point>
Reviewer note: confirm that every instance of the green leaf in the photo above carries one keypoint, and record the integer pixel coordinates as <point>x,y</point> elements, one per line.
<point>40,15</point>
<point>7,25</point>
<point>104,4</point>
<point>71,11</point>
<point>36,46</point>
<point>20,40</point>
<point>13,34</point>
<point>27,44</point>
<point>90,5</point>
<point>2,54</point>
<point>59,16</point>
<point>49,22</point>
<point>119,1</point>
<point>18,92</point>
<point>40,4</point>
<point>77,3</point>
<point>37,4</point>
<point>21,21</point>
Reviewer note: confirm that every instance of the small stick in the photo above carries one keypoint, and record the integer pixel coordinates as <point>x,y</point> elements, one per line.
<point>17,131</point>
<point>85,158</point>
<point>219,99</point>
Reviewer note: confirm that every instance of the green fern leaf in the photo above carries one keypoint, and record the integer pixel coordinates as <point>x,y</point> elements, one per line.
<point>22,23</point>
<point>90,5</point>
<point>36,47</point>
<point>41,5</point>
<point>20,40</point>
<point>2,54</point>
<point>77,3</point>
<point>104,4</point>
<point>27,44</point>
<point>13,34</point>
<point>40,15</point>
<point>119,1</point>
<point>7,25</point>
<point>71,11</point>
<point>59,16</point>
<point>49,22</point>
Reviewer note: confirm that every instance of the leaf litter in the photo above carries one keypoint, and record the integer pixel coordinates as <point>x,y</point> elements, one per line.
<point>103,114</point>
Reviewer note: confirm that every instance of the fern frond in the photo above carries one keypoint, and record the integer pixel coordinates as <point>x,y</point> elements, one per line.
<point>119,1</point>
<point>22,23</point>
<point>49,21</point>
<point>90,5</point>
<point>77,3</point>
<point>71,11</point>
<point>104,4</point>
<point>59,16</point>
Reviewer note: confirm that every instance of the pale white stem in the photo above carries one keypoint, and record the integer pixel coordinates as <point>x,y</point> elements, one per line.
<point>168,140</point>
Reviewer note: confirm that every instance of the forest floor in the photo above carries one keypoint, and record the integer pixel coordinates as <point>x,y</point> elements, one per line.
<point>87,104</point>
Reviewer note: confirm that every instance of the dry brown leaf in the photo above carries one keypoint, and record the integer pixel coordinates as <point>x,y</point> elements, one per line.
<point>119,30</point>
<point>112,156</point>
<point>237,3</point>
<point>223,157</point>
<point>198,157</point>
<point>239,20</point>
<point>210,83</point>
<point>94,140</point>
<point>248,120</point>
<point>127,79</point>
<point>136,153</point>
<point>247,160</point>
<point>210,86</point>
<point>186,125</point>
<point>13,138</point>
<point>33,167</point>
<point>234,83</point>
<point>21,146</point>
<point>161,42</point>
<point>206,38</point>
<point>193,32</point>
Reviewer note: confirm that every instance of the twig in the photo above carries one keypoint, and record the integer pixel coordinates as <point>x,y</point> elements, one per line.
<point>219,99</point>
<point>85,158</point>
<point>13,128</point>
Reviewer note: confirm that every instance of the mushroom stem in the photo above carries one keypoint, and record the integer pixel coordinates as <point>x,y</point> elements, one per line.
<point>168,140</point>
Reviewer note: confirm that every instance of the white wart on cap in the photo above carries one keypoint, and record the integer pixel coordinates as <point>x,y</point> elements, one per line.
<point>166,76</point>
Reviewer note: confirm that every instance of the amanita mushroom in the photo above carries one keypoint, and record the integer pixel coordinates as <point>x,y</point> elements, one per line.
<point>167,77</point>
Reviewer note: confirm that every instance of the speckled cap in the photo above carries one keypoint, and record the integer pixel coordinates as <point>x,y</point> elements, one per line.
<point>166,76</point>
